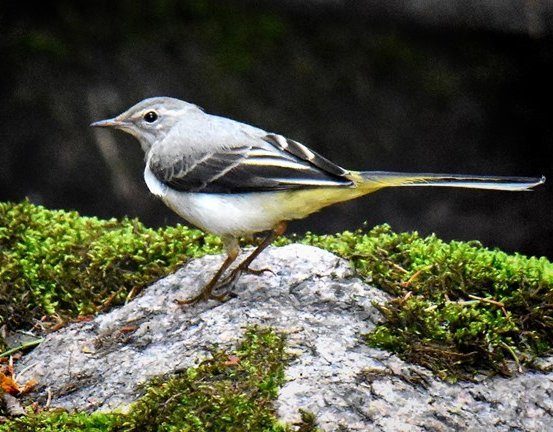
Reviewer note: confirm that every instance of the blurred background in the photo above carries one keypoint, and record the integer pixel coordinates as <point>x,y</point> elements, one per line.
<point>462,86</point>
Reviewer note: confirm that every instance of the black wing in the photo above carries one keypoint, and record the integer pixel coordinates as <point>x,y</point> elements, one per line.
<point>281,165</point>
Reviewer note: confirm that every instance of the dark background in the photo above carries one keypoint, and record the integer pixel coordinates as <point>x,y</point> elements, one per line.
<point>454,86</point>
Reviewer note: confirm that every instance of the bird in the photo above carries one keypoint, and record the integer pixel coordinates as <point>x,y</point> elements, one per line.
<point>232,179</point>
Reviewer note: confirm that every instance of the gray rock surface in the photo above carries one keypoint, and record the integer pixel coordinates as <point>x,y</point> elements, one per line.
<point>314,297</point>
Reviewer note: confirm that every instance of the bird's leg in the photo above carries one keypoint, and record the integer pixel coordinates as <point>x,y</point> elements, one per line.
<point>243,267</point>
<point>233,250</point>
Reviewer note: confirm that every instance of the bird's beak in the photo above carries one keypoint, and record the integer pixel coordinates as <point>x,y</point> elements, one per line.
<point>113,123</point>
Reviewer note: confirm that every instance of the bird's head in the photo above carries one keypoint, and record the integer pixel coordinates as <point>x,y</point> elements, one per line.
<point>150,120</point>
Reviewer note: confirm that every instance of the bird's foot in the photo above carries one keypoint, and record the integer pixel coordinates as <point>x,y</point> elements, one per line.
<point>257,272</point>
<point>219,292</point>
<point>202,297</point>
<point>239,271</point>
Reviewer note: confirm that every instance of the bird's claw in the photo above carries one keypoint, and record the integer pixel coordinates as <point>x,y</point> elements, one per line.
<point>257,272</point>
<point>208,293</point>
<point>202,297</point>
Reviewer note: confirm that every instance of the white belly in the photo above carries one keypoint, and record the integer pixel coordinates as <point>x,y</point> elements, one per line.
<point>246,213</point>
<point>224,214</point>
<point>221,214</point>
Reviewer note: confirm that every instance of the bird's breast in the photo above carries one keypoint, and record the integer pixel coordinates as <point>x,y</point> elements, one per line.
<point>156,187</point>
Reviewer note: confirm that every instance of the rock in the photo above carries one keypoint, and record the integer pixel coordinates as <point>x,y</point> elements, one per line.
<point>312,296</point>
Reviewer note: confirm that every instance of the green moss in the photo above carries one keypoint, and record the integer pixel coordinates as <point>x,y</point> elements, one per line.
<point>229,392</point>
<point>57,262</point>
<point>457,307</point>
<point>63,422</point>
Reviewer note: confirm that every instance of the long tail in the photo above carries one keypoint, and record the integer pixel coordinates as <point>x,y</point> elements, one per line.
<point>374,180</point>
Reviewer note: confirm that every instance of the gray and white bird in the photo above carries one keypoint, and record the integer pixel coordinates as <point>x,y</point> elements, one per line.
<point>232,179</point>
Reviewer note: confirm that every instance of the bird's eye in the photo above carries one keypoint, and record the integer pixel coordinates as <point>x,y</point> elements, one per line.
<point>150,116</point>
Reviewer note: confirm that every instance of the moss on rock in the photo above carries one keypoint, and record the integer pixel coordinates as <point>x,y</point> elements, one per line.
<point>457,307</point>
<point>58,262</point>
<point>231,391</point>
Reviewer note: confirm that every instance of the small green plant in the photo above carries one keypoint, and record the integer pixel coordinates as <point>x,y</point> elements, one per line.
<point>228,392</point>
<point>457,307</point>
<point>62,422</point>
